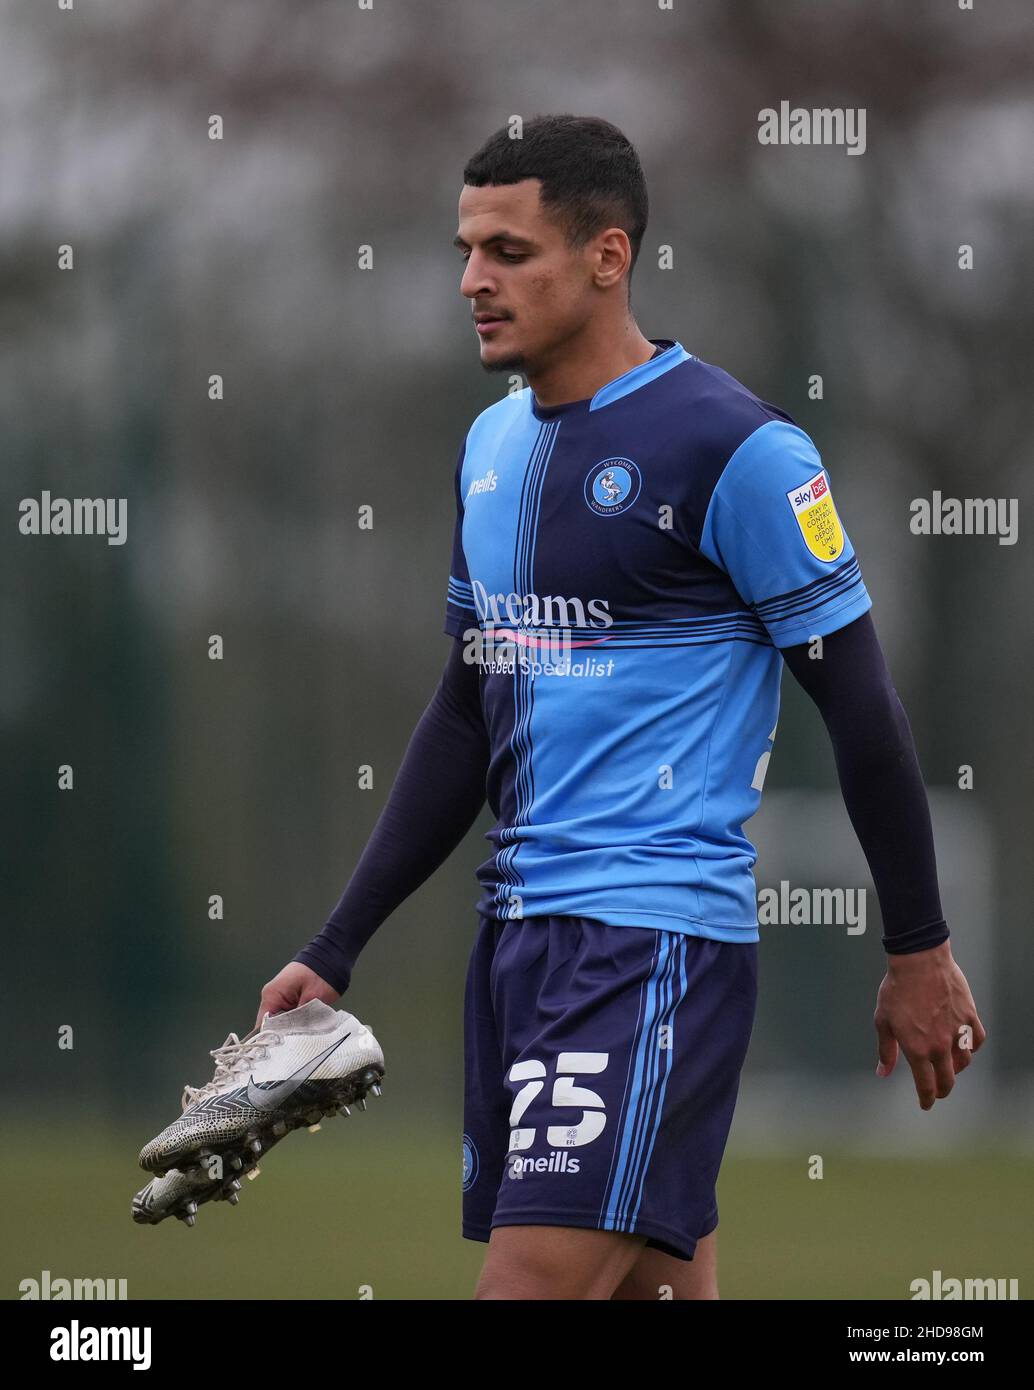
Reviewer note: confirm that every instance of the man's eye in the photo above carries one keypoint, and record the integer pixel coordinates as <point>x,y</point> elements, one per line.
<point>512,256</point>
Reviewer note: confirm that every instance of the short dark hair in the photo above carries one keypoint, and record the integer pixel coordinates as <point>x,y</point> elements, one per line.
<point>590,174</point>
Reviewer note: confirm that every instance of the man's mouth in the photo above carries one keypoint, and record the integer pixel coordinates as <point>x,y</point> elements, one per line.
<point>488,323</point>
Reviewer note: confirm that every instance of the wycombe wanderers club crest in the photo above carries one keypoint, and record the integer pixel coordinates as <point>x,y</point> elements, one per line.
<point>470,1162</point>
<point>612,486</point>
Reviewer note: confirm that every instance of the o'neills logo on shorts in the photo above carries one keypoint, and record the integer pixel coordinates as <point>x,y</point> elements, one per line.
<point>559,1161</point>
<point>540,610</point>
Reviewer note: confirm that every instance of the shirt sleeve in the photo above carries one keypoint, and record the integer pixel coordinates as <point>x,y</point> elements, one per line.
<point>773,527</point>
<point>880,778</point>
<point>460,613</point>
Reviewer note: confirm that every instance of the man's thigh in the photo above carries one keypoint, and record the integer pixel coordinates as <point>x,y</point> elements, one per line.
<point>557,1262</point>
<point>661,1277</point>
<point>562,1262</point>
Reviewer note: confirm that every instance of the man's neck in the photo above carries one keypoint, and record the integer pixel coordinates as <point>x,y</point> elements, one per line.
<point>588,364</point>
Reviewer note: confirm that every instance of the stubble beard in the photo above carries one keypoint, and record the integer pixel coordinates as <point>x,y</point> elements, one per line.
<point>515,362</point>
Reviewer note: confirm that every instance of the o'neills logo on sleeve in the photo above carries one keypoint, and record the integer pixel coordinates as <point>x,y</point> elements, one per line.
<point>540,610</point>
<point>486,484</point>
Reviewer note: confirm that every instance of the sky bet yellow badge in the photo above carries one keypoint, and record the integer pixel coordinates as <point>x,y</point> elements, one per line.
<point>812,505</point>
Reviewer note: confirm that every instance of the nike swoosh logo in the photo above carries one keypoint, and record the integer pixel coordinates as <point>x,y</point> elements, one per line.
<point>272,1096</point>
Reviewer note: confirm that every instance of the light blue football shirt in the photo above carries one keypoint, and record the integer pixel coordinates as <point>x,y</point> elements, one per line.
<point>637,560</point>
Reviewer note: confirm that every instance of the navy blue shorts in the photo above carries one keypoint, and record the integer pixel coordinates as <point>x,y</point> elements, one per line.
<point>601,1071</point>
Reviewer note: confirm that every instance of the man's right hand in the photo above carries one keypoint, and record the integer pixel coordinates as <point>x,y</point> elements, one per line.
<point>295,985</point>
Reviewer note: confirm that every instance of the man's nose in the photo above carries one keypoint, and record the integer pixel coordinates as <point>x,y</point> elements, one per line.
<point>476,281</point>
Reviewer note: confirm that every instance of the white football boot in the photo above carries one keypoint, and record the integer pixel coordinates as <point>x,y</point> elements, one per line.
<point>293,1069</point>
<point>216,1178</point>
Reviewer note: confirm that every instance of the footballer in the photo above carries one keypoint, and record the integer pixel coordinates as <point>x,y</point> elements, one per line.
<point>640,544</point>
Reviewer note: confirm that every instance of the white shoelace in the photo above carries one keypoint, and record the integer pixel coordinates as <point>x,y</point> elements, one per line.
<point>235,1055</point>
